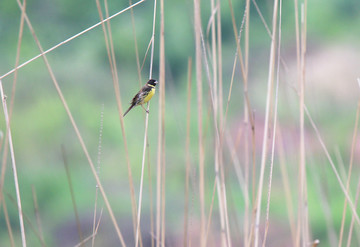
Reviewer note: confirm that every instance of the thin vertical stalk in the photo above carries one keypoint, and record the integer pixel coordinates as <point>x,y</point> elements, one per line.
<point>266,124</point>
<point>198,69</point>
<point>13,163</point>
<point>274,127</point>
<point>162,119</point>
<point>303,216</point>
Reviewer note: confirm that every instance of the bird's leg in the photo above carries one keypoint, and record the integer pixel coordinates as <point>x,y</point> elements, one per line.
<point>144,109</point>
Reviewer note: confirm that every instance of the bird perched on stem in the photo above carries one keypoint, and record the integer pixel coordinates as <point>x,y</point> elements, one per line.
<point>143,96</point>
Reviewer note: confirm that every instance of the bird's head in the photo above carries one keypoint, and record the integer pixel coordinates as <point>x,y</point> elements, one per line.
<point>152,82</point>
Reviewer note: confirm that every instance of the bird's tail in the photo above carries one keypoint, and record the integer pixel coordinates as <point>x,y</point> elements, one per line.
<point>128,110</point>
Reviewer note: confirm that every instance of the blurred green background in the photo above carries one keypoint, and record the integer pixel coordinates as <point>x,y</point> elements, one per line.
<point>40,126</point>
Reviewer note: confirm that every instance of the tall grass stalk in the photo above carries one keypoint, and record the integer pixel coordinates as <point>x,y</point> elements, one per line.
<point>266,124</point>
<point>13,163</point>
<point>303,208</point>
<point>274,126</point>
<point>162,119</point>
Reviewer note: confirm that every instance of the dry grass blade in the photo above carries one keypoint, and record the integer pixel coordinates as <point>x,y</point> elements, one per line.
<point>69,39</point>
<point>13,163</point>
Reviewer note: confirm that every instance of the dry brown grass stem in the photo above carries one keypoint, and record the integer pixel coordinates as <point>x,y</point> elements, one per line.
<point>266,124</point>
<point>76,129</point>
<point>353,146</point>
<point>188,160</point>
<point>69,39</point>
<point>13,163</point>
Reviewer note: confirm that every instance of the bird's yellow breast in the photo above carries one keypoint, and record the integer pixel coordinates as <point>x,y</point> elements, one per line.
<point>149,96</point>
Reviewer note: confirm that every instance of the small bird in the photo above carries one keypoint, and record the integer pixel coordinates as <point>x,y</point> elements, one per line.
<point>143,96</point>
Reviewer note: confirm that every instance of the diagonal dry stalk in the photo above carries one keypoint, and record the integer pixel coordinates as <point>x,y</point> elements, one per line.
<point>13,163</point>
<point>69,39</point>
<point>76,129</point>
